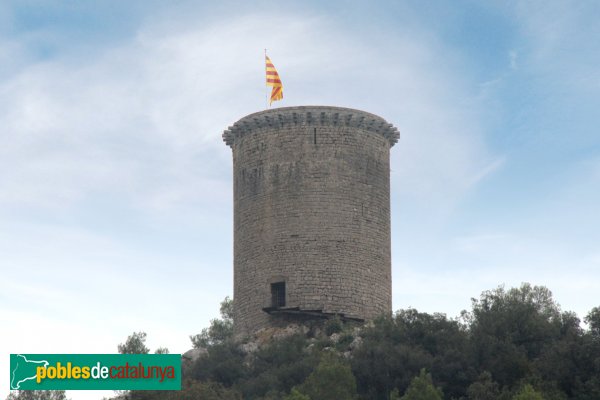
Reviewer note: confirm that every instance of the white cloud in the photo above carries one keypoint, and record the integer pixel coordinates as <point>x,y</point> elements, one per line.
<point>513,56</point>
<point>152,110</point>
<point>560,48</point>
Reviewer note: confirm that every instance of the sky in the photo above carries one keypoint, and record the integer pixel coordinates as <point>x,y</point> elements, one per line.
<point>116,188</point>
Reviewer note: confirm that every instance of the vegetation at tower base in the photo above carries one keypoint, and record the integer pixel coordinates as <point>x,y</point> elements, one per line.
<point>219,330</point>
<point>331,380</point>
<point>37,395</point>
<point>527,392</point>
<point>513,344</point>
<point>136,344</point>
<point>421,388</point>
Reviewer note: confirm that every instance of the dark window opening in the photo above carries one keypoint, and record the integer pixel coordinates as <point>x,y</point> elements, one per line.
<point>278,294</point>
<point>315,135</point>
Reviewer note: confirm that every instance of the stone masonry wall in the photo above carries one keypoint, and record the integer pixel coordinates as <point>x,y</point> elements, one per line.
<point>312,209</point>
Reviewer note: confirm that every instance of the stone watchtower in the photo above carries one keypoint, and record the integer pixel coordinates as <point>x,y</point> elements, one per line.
<point>311,215</point>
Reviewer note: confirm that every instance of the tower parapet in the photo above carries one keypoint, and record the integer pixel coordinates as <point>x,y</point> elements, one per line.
<point>311,116</point>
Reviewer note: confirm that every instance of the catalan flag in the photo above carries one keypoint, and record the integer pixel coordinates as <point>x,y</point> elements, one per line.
<point>274,81</point>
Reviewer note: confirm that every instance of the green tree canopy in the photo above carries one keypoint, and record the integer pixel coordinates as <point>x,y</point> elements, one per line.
<point>331,380</point>
<point>296,395</point>
<point>527,392</point>
<point>37,395</point>
<point>219,330</point>
<point>135,344</point>
<point>396,348</point>
<point>509,338</point>
<point>190,390</point>
<point>484,388</point>
<point>422,388</point>
<point>593,320</point>
<point>510,328</point>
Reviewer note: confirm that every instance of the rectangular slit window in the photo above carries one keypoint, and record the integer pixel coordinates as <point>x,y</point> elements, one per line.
<point>278,294</point>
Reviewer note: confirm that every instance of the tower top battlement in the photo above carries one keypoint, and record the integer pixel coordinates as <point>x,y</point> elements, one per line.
<point>311,116</point>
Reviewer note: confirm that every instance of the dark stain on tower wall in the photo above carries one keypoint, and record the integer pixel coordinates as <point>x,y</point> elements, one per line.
<point>311,215</point>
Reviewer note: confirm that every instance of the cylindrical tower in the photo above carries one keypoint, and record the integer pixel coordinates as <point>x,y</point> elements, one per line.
<point>311,215</point>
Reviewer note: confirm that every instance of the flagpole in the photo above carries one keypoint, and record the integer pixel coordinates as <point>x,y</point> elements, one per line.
<point>266,87</point>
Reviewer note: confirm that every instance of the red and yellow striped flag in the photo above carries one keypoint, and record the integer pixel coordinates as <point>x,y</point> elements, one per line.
<point>274,81</point>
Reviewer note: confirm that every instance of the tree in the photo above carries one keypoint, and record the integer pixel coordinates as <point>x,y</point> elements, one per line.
<point>519,335</point>
<point>220,330</point>
<point>296,395</point>
<point>37,395</point>
<point>484,388</point>
<point>161,350</point>
<point>135,344</point>
<point>593,320</point>
<point>224,363</point>
<point>279,366</point>
<point>527,392</point>
<point>422,388</point>
<point>510,328</point>
<point>331,380</point>
<point>395,349</point>
<point>190,390</point>
<point>333,325</point>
